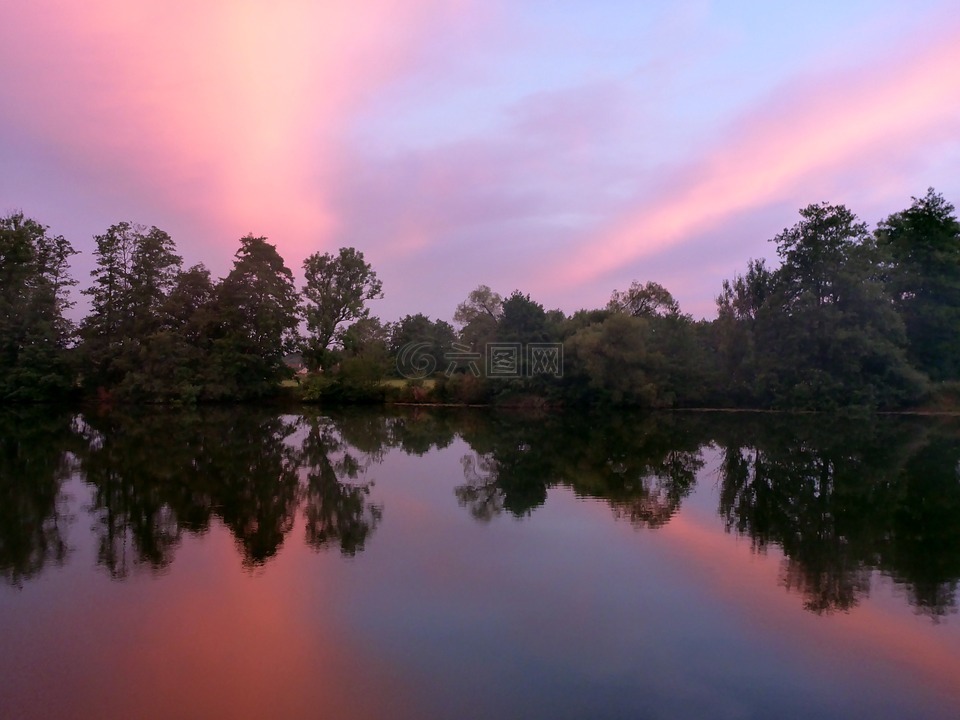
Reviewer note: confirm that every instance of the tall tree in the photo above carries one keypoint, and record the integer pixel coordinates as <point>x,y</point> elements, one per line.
<point>743,298</point>
<point>188,308</point>
<point>34,333</point>
<point>733,334</point>
<point>154,269</point>
<point>481,302</point>
<point>924,244</point>
<point>829,335</point>
<point>175,362</point>
<point>109,321</point>
<point>259,313</point>
<point>136,268</point>
<point>336,291</point>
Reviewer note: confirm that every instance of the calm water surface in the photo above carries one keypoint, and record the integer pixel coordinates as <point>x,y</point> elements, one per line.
<point>238,563</point>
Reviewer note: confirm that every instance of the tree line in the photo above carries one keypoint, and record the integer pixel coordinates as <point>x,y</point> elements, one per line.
<point>157,331</point>
<point>849,317</point>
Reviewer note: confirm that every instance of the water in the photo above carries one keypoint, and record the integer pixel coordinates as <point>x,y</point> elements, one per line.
<point>234,562</point>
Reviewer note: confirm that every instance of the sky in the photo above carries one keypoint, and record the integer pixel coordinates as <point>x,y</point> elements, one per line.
<point>562,148</point>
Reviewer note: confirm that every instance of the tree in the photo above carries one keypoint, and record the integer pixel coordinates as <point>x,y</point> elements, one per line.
<point>362,362</point>
<point>478,316</point>
<point>34,333</point>
<point>188,308</point>
<point>523,320</point>
<point>136,268</point>
<point>674,365</point>
<point>481,302</point>
<point>733,333</point>
<point>829,335</point>
<point>258,313</point>
<point>154,270</point>
<point>924,244</point>
<point>366,338</point>
<point>109,321</point>
<point>820,253</point>
<point>419,344</point>
<point>175,360</point>
<point>644,300</point>
<point>336,291</point>
<point>612,361</point>
<point>634,360</point>
<point>742,299</point>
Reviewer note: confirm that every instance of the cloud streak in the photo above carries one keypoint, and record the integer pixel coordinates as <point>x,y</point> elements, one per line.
<point>788,148</point>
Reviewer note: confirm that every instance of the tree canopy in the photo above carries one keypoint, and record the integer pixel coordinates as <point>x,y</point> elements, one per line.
<point>923,243</point>
<point>34,333</point>
<point>335,294</point>
<point>258,306</point>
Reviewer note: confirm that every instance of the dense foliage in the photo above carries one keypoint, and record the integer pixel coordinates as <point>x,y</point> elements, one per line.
<point>34,334</point>
<point>849,318</point>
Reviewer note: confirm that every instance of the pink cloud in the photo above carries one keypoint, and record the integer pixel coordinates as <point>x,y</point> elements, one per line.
<point>789,148</point>
<point>227,111</point>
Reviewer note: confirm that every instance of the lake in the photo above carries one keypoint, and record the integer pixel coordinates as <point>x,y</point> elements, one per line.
<point>413,563</point>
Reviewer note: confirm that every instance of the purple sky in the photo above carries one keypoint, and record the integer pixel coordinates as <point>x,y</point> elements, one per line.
<point>561,148</point>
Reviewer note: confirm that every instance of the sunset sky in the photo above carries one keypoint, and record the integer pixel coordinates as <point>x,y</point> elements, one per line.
<point>563,148</point>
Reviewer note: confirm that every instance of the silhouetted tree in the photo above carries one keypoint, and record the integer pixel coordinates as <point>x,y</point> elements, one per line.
<point>924,244</point>
<point>258,312</point>
<point>34,334</point>
<point>335,294</point>
<point>829,334</point>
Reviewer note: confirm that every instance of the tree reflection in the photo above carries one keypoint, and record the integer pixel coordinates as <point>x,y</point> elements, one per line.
<point>131,467</point>
<point>336,507</point>
<point>641,465</point>
<point>922,548</point>
<point>417,431</point>
<point>515,463</point>
<point>843,499</point>
<point>157,475</point>
<point>34,463</point>
<point>481,493</point>
<point>253,482</point>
